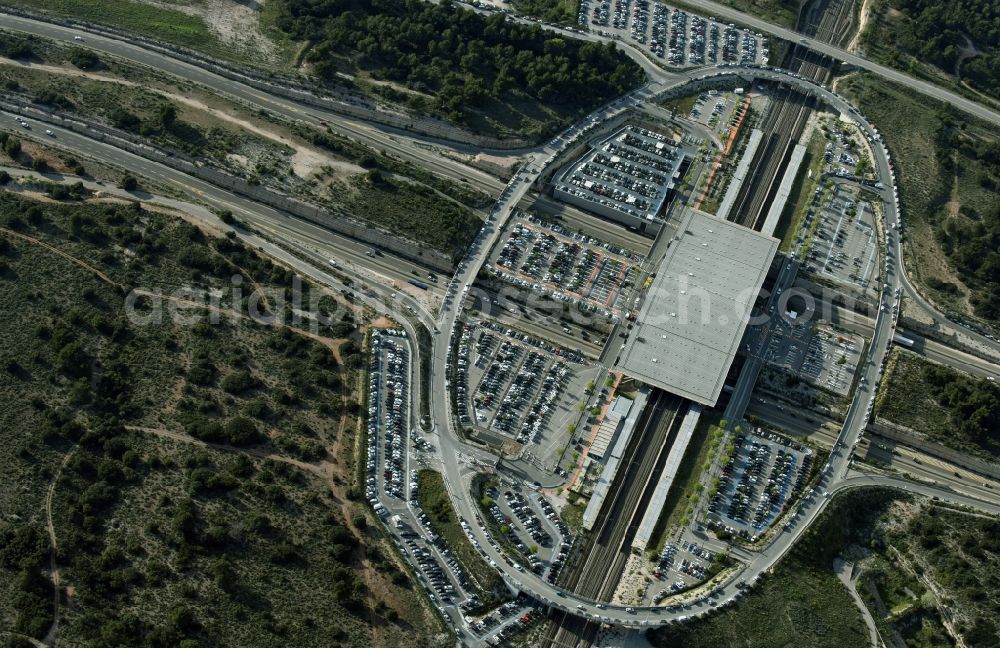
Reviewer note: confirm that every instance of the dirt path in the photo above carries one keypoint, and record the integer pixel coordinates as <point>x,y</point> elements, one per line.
<point>305,160</point>
<point>314,468</point>
<point>334,344</point>
<point>24,637</point>
<point>323,470</point>
<point>68,257</point>
<point>50,636</point>
<point>843,571</point>
<point>864,15</point>
<point>921,572</point>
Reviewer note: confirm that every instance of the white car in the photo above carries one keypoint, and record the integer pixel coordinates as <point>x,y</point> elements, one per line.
<point>49,133</point>
<point>78,38</point>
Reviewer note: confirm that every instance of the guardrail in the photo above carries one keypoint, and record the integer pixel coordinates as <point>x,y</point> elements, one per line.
<point>329,218</point>
<point>353,104</point>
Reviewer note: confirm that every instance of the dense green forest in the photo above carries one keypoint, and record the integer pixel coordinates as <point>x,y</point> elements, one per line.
<point>159,541</point>
<point>949,407</point>
<point>937,32</point>
<point>556,11</point>
<point>468,62</point>
<point>972,403</point>
<point>973,243</point>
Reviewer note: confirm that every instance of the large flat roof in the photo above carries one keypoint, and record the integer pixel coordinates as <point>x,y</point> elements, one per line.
<point>697,308</point>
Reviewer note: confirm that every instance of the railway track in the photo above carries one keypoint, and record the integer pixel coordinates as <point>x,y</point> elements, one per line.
<point>785,121</point>
<point>600,560</point>
<point>596,564</point>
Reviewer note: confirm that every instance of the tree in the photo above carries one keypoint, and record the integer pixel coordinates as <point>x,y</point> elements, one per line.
<point>129,183</point>
<point>12,147</point>
<point>167,116</point>
<point>84,59</point>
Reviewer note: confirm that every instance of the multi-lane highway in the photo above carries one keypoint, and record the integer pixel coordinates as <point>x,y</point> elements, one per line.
<point>841,54</point>
<point>429,152</point>
<point>423,150</point>
<point>836,475</point>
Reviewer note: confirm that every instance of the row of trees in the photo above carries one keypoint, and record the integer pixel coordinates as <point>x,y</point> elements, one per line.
<point>463,58</point>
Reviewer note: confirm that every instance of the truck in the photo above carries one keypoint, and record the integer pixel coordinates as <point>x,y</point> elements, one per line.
<point>419,284</point>
<point>898,338</point>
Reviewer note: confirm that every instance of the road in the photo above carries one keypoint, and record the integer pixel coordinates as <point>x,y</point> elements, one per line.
<point>428,152</point>
<point>923,87</point>
<point>273,221</point>
<point>835,476</point>
<point>931,349</point>
<point>424,151</point>
<point>844,571</point>
<point>740,397</point>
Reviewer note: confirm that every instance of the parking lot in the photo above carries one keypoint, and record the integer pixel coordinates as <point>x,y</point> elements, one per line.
<point>832,359</point>
<point>844,247</point>
<point>439,571</point>
<point>765,472</point>
<point>719,111</point>
<point>568,266</point>
<point>517,386</point>
<point>539,539</point>
<point>678,37</point>
<point>390,480</point>
<point>816,354</point>
<point>626,175</point>
<point>680,566</point>
<point>388,416</point>
<point>508,621</point>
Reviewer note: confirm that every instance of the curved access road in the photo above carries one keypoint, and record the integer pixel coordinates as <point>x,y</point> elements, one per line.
<point>835,474</point>
<point>841,54</point>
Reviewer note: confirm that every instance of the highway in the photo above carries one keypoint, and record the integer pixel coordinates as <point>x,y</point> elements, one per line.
<point>421,150</point>
<point>273,221</point>
<point>927,347</point>
<point>427,151</point>
<point>923,87</point>
<point>836,475</point>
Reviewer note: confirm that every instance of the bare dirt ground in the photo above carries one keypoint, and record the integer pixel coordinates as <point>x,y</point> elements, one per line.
<point>237,24</point>
<point>305,160</point>
<point>864,15</point>
<point>384,322</point>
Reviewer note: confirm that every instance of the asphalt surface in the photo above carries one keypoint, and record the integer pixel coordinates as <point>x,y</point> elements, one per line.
<point>340,248</point>
<point>841,54</point>
<point>422,150</point>
<point>927,347</point>
<point>428,151</point>
<point>835,476</point>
